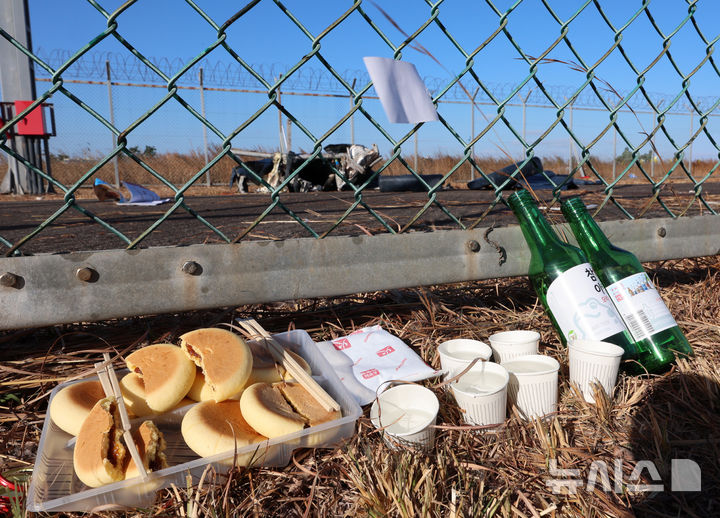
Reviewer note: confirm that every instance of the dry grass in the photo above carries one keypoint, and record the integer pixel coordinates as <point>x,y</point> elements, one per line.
<point>177,168</point>
<point>469,473</point>
<point>180,168</point>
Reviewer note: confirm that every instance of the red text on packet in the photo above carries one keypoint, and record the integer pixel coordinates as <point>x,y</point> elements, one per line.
<point>370,373</point>
<point>385,351</point>
<point>341,344</point>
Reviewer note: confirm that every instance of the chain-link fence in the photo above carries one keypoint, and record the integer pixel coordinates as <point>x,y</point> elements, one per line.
<point>661,144</point>
<point>466,81</point>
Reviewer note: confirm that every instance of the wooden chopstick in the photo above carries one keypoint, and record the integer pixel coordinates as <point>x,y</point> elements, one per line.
<point>282,356</point>
<point>104,379</point>
<point>288,362</point>
<point>109,382</point>
<point>296,370</point>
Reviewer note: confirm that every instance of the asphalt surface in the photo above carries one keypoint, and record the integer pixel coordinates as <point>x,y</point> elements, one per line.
<point>235,214</point>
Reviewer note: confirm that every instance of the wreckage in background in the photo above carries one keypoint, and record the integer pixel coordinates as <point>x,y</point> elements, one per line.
<point>333,170</point>
<point>531,176</point>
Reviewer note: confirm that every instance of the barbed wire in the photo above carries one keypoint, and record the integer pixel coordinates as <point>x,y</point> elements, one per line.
<point>126,67</point>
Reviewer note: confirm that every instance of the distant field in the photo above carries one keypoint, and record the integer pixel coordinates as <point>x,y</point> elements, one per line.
<point>178,168</point>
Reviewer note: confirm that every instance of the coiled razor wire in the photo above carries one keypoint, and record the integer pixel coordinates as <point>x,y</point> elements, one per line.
<point>59,66</point>
<point>219,74</point>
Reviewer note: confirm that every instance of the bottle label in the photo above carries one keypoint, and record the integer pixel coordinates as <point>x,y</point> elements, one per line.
<point>581,306</point>
<point>641,306</point>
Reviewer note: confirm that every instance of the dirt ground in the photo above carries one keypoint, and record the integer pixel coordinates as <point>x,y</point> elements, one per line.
<point>236,215</point>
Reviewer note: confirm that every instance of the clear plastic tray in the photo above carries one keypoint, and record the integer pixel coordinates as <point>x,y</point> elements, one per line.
<point>55,487</point>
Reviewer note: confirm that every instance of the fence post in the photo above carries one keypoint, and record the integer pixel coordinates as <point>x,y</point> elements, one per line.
<point>352,117</point>
<point>692,117</point>
<point>280,125</point>
<point>652,148</point>
<point>570,157</point>
<point>524,108</point>
<point>112,122</point>
<point>205,141</point>
<point>472,131</point>
<point>288,125</point>
<point>614,151</point>
<point>416,152</point>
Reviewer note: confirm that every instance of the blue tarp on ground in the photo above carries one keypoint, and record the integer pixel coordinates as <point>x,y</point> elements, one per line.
<point>139,195</point>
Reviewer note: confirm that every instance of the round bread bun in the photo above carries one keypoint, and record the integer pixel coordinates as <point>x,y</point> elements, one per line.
<point>72,404</point>
<point>167,374</point>
<point>133,392</point>
<point>265,370</point>
<point>201,390</point>
<point>224,358</point>
<point>151,447</point>
<point>99,454</point>
<point>266,410</point>
<point>210,428</point>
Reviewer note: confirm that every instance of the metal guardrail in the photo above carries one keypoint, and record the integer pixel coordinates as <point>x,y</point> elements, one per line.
<point>40,292</point>
<point>90,286</point>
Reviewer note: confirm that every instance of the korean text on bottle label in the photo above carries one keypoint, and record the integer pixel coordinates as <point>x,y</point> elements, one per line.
<point>581,306</point>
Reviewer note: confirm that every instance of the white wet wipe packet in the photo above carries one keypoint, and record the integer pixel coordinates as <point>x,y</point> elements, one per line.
<point>368,357</point>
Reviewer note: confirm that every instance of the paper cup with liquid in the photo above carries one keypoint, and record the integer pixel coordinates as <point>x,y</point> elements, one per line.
<point>507,345</point>
<point>406,414</point>
<point>533,385</point>
<point>594,362</point>
<point>456,355</point>
<point>482,393</point>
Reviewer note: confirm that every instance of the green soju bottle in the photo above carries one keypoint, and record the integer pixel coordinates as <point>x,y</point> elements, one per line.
<point>656,334</point>
<point>570,291</point>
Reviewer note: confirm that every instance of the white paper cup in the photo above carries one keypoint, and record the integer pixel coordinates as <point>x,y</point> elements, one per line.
<point>507,345</point>
<point>594,362</point>
<point>482,393</point>
<point>533,385</point>
<point>406,414</point>
<point>457,354</point>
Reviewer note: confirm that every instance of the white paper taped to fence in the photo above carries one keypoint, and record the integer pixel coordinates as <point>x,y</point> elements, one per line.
<point>371,356</point>
<point>402,93</point>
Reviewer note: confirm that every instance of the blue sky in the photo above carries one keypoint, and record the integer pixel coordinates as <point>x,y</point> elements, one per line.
<point>172,29</point>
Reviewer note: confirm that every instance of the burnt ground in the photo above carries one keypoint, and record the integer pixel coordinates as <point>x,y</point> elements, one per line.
<point>234,214</point>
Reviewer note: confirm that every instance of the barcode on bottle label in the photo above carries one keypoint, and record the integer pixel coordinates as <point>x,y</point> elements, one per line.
<point>639,323</point>
<point>640,305</point>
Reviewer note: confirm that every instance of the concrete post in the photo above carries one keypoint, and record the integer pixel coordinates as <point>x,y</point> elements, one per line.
<point>17,82</point>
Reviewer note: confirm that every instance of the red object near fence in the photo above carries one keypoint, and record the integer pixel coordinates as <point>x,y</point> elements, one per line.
<point>34,122</point>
